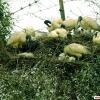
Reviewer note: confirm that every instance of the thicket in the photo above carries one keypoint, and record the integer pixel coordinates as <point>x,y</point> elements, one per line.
<point>5,28</point>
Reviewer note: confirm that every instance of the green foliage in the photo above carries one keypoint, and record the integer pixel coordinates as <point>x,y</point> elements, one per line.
<point>5,20</point>
<point>5,27</point>
<point>45,78</point>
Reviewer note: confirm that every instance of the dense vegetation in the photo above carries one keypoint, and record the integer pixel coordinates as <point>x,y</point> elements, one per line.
<point>5,27</point>
<point>44,77</point>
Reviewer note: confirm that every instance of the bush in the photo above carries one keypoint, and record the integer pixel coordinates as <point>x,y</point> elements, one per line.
<point>5,27</point>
